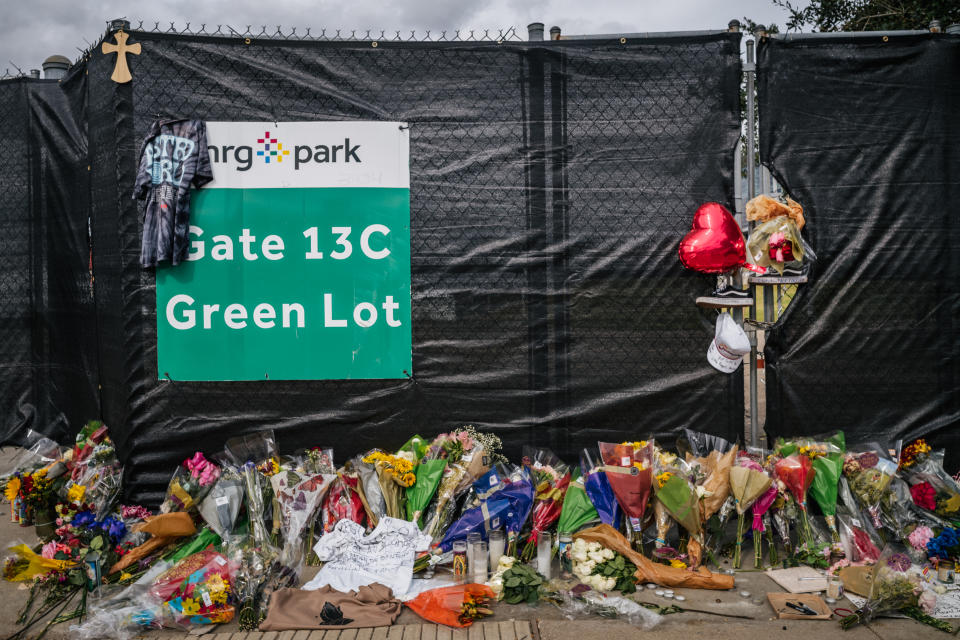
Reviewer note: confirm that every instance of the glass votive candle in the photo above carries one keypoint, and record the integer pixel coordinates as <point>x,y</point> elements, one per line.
<point>479,562</point>
<point>498,544</point>
<point>544,554</point>
<point>834,589</point>
<point>460,560</point>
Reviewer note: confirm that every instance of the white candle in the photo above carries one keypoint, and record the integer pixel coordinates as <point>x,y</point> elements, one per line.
<point>544,553</point>
<point>497,547</point>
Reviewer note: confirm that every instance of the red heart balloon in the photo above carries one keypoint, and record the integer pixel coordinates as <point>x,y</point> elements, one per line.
<point>716,244</point>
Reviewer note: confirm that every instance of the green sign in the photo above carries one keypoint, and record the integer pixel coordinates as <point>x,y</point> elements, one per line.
<point>289,282</point>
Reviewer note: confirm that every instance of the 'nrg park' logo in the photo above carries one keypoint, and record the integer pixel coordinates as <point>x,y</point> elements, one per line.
<point>272,152</point>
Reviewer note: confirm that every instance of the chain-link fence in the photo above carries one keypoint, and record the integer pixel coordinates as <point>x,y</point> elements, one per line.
<point>549,182</point>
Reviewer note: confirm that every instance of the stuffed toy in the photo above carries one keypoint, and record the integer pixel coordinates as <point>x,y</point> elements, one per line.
<point>764,208</point>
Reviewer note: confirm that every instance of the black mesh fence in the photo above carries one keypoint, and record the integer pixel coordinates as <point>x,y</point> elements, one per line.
<point>864,131</point>
<point>48,372</point>
<point>550,185</point>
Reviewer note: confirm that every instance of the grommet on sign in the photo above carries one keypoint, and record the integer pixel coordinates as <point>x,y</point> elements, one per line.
<point>374,44</point>
<point>623,41</point>
<point>886,38</point>
<point>246,41</point>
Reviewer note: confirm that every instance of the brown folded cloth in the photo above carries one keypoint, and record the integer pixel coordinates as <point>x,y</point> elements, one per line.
<point>165,528</point>
<point>650,571</point>
<point>369,606</point>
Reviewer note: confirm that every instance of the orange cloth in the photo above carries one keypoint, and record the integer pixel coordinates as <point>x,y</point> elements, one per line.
<point>650,571</point>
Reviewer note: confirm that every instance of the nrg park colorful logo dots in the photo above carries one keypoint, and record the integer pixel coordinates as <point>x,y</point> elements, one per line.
<point>266,153</point>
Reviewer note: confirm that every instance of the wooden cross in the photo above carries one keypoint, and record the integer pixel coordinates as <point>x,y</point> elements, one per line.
<point>121,72</point>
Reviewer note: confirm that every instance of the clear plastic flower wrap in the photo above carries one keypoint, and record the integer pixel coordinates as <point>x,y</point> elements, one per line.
<point>221,507</point>
<point>869,472</point>
<point>774,243</point>
<point>443,510</point>
<point>931,487</point>
<point>578,605</point>
<point>190,484</point>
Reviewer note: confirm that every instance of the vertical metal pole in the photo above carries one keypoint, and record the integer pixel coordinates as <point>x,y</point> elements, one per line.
<point>751,70</point>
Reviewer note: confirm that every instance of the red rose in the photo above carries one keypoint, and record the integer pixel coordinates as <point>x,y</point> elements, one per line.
<point>924,496</point>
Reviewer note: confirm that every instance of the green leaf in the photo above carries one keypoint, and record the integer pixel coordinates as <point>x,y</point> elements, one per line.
<point>533,597</point>
<point>76,578</point>
<point>512,582</point>
<point>97,543</point>
<point>516,598</point>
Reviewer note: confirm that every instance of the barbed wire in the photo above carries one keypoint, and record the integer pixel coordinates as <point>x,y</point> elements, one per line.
<point>333,35</point>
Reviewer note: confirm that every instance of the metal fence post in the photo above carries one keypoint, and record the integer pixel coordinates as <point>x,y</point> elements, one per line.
<point>750,69</point>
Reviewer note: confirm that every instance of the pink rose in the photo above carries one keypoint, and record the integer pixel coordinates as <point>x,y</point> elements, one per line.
<point>927,602</point>
<point>49,550</point>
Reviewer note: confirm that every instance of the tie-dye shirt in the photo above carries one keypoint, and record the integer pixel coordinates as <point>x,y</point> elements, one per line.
<point>173,159</point>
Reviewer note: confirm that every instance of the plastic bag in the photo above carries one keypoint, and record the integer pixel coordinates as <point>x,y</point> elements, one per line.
<point>37,451</point>
<point>700,444</point>
<point>198,589</point>
<point>869,473</point>
<point>592,603</point>
<point>446,605</point>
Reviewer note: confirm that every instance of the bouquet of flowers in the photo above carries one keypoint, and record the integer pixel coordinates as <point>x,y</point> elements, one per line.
<point>395,474</point>
<point>501,508</point>
<point>342,502</point>
<point>429,472</point>
<point>601,568</point>
<point>892,589</point>
<point>760,520</point>
<point>666,464</point>
<point>319,460</point>
<point>931,488</point>
<point>827,455</point>
<point>198,589</point>
<point>946,545</point>
<point>454,606</point>
<point>190,483</point>
<point>298,496</point>
<point>869,474</point>
<point>367,486</point>
<point>222,505</point>
<point>715,486</point>
<point>748,483</point>
<point>629,469</point>
<point>460,447</point>
<point>598,488</point>
<point>796,472</point>
<point>679,496</point>
<point>550,477</point>
<point>577,510</point>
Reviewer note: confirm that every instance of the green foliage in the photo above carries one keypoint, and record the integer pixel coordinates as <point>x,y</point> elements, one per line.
<point>521,583</point>
<point>621,569</point>
<point>869,15</point>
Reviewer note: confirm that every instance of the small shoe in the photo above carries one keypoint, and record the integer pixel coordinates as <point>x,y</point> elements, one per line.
<point>731,293</point>
<point>794,269</point>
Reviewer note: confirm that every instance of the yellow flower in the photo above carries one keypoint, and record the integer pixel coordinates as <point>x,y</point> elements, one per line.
<point>190,607</point>
<point>76,492</point>
<point>409,479</point>
<point>662,478</point>
<point>125,576</point>
<point>13,488</point>
<point>215,583</point>
<point>220,597</point>
<point>638,464</point>
<point>952,504</point>
<point>678,564</point>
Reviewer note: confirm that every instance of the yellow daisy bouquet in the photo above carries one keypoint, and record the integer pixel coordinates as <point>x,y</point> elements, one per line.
<point>395,473</point>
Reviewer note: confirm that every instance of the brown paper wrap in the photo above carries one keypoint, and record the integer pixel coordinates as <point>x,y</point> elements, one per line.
<point>717,468</point>
<point>650,571</point>
<point>165,528</point>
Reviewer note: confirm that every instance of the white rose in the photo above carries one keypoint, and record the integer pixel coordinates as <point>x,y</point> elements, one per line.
<point>609,584</point>
<point>496,584</point>
<point>579,544</point>
<point>579,556</point>
<point>505,563</point>
<point>608,554</point>
<point>596,556</point>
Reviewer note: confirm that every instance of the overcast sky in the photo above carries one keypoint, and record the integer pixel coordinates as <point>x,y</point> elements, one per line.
<point>31,30</point>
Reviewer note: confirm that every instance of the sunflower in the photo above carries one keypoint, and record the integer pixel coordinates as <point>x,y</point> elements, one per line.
<point>13,488</point>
